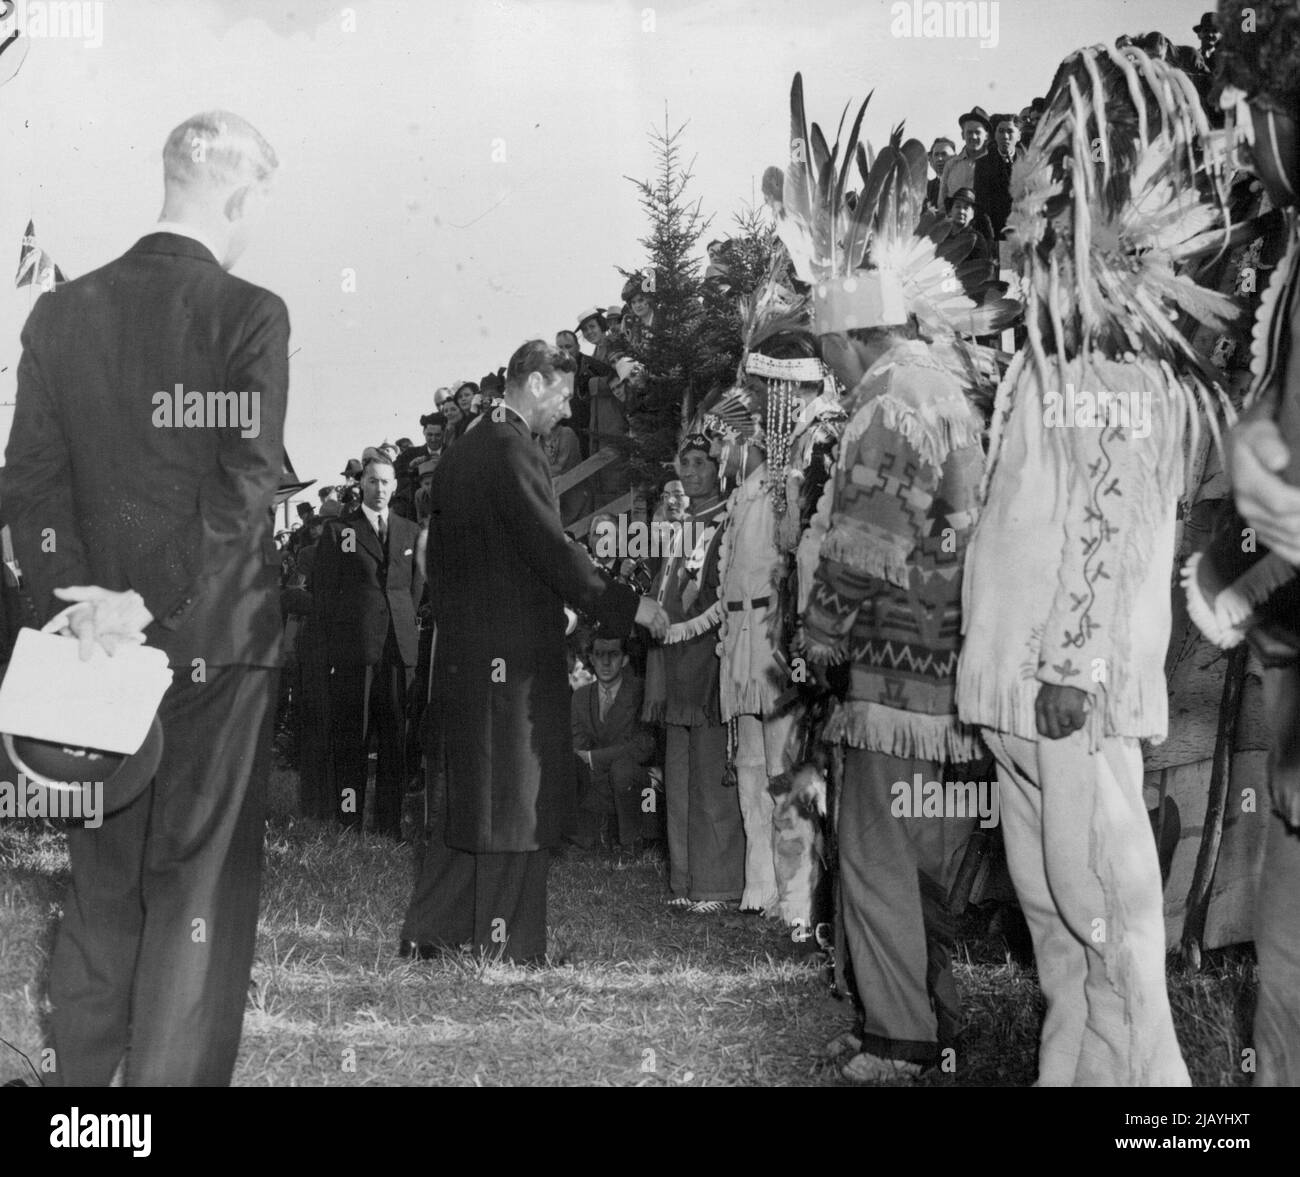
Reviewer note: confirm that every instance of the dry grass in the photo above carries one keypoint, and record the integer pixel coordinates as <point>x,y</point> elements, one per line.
<point>650,1000</point>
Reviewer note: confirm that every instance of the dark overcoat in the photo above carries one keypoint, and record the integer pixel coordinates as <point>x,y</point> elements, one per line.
<point>500,571</point>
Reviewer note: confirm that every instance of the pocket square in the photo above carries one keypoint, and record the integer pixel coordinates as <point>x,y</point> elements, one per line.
<point>408,551</point>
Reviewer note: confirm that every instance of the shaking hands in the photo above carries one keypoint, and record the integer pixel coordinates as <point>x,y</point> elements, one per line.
<point>651,615</point>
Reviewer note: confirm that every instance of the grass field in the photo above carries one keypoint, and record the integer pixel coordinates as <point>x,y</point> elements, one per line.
<point>648,1000</point>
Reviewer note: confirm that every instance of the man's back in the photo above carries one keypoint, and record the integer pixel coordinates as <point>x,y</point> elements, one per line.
<point>169,494</point>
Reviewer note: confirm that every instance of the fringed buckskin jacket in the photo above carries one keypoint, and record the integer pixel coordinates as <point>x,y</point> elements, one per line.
<point>886,595</point>
<point>1068,573</point>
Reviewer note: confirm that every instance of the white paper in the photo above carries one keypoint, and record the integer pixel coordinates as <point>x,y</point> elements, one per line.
<point>49,693</point>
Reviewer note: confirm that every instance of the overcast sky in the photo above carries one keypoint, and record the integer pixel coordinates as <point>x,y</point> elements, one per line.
<point>466,158</point>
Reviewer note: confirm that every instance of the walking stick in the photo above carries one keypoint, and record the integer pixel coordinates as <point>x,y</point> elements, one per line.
<point>1207,859</point>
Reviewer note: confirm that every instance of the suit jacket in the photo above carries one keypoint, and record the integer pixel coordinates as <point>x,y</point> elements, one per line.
<point>500,571</point>
<point>621,734</point>
<point>360,592</point>
<point>102,489</point>
<point>992,187</point>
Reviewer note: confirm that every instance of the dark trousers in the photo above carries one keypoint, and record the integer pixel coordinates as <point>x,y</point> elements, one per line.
<point>706,835</point>
<point>617,788</point>
<point>156,943</point>
<point>366,702</point>
<point>316,791</point>
<point>496,902</point>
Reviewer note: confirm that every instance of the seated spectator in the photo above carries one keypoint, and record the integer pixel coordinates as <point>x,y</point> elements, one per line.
<point>963,213</point>
<point>613,747</point>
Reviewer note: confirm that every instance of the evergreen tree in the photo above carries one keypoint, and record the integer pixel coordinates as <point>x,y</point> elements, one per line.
<point>744,260</point>
<point>672,351</point>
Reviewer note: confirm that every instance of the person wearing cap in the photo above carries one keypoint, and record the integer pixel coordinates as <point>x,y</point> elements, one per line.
<point>462,396</point>
<point>965,215</point>
<point>636,293</point>
<point>1199,64</point>
<point>959,172</point>
<point>992,184</point>
<point>594,328</point>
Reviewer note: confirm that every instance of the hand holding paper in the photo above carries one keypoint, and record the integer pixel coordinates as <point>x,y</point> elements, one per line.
<point>101,615</point>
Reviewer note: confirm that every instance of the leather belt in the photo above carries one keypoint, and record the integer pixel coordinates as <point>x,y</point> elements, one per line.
<point>741,606</point>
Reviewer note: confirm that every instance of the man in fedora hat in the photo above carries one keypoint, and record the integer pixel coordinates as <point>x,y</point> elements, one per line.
<point>165,533</point>
<point>959,172</point>
<point>1208,32</point>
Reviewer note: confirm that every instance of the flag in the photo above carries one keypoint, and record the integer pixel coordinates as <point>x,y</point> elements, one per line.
<point>35,266</point>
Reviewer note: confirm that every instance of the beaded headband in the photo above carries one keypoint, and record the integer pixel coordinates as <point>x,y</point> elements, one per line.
<point>800,370</point>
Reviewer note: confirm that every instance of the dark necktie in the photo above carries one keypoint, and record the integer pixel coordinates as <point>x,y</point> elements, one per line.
<point>383,533</point>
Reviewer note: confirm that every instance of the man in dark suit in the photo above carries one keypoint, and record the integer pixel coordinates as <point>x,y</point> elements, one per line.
<point>500,571</point>
<point>992,182</point>
<point>366,589</point>
<point>941,151</point>
<point>613,746</point>
<point>144,496</point>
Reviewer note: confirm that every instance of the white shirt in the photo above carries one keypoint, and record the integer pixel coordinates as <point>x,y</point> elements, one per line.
<point>182,230</point>
<point>373,517</point>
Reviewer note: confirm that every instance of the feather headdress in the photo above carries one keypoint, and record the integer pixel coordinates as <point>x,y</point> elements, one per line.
<point>872,258</point>
<point>1110,201</point>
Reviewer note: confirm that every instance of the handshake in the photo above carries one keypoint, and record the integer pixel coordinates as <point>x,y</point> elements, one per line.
<point>651,615</point>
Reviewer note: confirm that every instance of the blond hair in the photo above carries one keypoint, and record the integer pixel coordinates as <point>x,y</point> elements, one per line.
<point>215,149</point>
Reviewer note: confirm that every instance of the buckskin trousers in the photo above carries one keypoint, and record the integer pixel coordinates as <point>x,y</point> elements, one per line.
<point>159,923</point>
<point>1277,914</point>
<point>1084,864</point>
